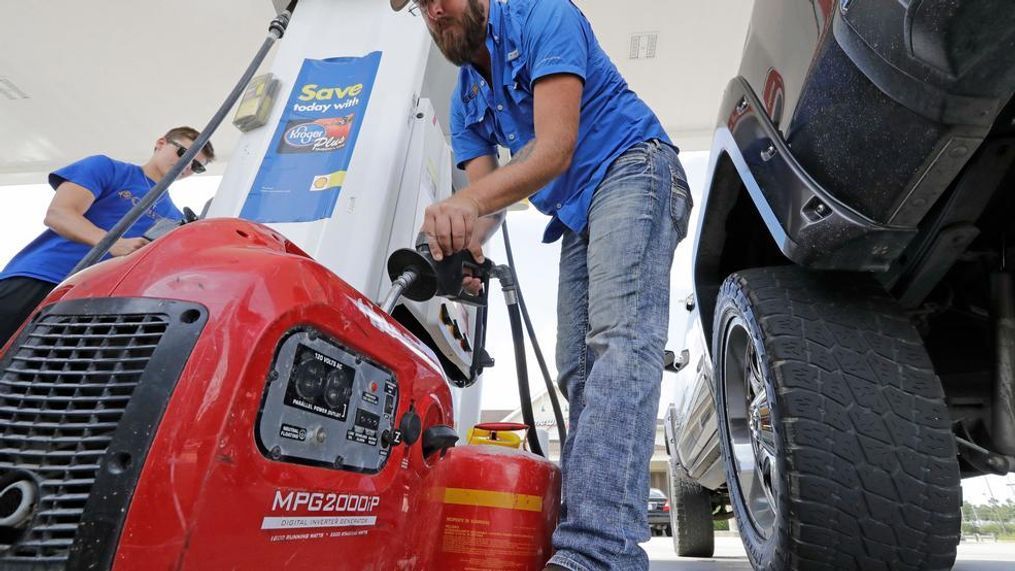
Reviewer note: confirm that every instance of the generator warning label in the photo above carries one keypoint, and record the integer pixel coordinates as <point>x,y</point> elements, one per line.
<point>479,546</point>
<point>293,432</point>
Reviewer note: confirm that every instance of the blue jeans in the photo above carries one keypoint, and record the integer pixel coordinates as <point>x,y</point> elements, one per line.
<point>612,316</point>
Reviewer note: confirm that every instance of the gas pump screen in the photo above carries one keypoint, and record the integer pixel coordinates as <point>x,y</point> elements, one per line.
<point>304,168</point>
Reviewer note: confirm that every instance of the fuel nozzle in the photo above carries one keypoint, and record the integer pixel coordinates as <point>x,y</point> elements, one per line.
<point>412,275</point>
<point>416,275</point>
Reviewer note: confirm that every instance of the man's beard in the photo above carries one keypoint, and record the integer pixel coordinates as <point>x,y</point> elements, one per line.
<point>460,39</point>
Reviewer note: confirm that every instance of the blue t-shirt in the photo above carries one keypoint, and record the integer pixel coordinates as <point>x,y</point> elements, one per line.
<point>530,39</point>
<point>117,186</point>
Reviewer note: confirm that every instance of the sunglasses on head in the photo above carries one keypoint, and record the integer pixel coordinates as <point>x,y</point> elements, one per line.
<point>195,165</point>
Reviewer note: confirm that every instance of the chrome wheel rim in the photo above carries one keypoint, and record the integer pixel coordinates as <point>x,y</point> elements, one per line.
<point>749,427</point>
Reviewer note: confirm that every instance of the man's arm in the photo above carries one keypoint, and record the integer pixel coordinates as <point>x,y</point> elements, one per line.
<point>66,217</point>
<point>450,224</point>
<point>486,226</point>
<point>556,111</point>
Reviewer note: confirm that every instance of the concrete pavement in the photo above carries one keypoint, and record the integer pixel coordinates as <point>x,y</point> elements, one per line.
<point>729,554</point>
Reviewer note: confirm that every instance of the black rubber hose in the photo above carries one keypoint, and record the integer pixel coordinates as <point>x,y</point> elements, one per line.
<point>558,415</point>
<point>275,31</point>
<point>514,316</point>
<point>479,357</point>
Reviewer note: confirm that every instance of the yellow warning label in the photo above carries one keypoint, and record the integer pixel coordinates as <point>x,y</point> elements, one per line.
<point>492,499</point>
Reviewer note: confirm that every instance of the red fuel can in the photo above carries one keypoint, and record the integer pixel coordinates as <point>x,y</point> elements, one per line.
<point>499,507</point>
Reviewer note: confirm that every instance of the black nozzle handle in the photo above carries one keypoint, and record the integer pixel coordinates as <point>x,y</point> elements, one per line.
<point>443,278</point>
<point>452,271</point>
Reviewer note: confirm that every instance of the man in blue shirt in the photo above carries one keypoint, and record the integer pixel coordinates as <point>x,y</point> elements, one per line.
<point>591,155</point>
<point>91,196</point>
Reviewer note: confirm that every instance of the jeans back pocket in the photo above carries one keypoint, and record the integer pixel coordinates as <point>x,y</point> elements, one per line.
<point>680,203</point>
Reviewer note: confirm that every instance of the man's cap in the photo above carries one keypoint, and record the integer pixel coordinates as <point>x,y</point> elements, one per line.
<point>397,5</point>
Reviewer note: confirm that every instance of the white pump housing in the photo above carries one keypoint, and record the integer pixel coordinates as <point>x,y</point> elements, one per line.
<point>401,162</point>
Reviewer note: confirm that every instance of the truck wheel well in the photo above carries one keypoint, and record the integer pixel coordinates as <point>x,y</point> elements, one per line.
<point>733,237</point>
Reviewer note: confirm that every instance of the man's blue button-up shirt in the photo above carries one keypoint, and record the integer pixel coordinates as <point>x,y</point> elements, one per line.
<point>530,39</point>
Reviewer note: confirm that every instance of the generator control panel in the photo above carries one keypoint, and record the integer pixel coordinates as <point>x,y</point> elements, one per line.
<point>325,405</point>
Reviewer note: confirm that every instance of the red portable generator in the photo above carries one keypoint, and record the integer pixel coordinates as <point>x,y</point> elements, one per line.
<point>219,400</point>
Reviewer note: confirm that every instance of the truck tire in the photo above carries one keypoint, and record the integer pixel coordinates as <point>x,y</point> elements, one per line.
<point>690,514</point>
<point>834,431</point>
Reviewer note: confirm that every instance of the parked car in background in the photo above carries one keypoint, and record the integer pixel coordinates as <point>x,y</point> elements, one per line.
<point>659,512</point>
<point>853,354</point>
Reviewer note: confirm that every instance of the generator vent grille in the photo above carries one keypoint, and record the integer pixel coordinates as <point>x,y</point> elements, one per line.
<point>62,395</point>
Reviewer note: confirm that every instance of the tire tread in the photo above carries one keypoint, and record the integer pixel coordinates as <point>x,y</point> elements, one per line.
<point>868,436</point>
<point>691,515</point>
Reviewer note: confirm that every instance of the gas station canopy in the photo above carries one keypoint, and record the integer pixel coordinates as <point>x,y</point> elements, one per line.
<point>81,77</point>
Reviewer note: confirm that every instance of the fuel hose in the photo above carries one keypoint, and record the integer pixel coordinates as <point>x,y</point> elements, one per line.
<point>557,413</point>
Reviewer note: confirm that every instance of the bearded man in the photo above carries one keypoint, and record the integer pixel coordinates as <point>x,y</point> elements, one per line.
<point>592,156</point>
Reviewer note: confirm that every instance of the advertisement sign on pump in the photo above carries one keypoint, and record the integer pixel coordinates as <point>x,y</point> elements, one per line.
<point>303,171</point>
